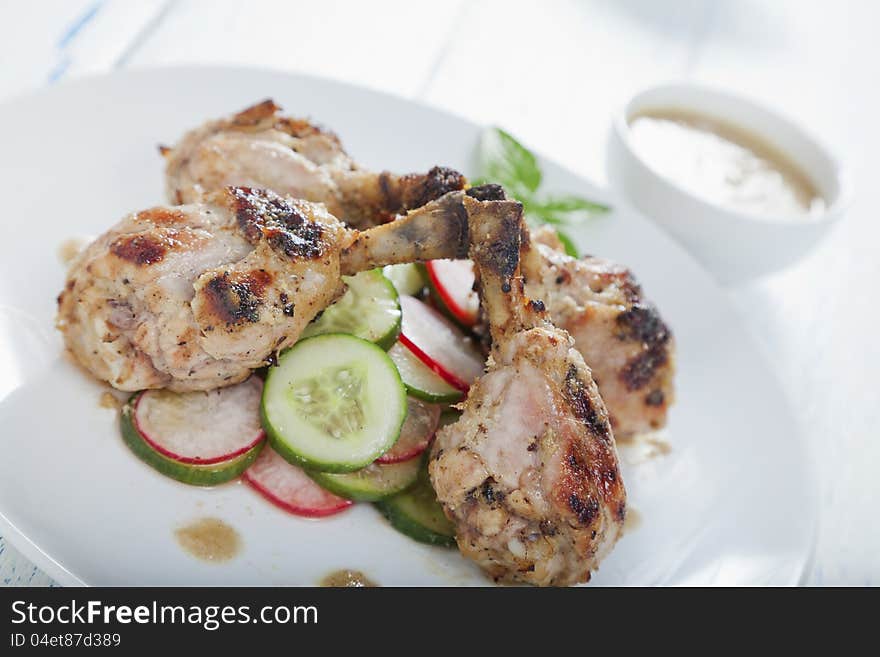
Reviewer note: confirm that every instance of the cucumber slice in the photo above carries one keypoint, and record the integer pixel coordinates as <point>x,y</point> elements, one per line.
<point>334,403</point>
<point>408,278</point>
<point>420,381</point>
<point>369,309</point>
<point>417,513</point>
<point>375,482</point>
<point>187,473</point>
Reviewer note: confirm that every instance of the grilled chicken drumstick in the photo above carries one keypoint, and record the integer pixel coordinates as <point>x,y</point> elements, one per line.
<point>622,337</point>
<point>619,332</point>
<point>259,148</point>
<point>194,297</point>
<point>529,473</point>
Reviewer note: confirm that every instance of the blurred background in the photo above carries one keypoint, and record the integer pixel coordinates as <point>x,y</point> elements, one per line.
<point>553,73</point>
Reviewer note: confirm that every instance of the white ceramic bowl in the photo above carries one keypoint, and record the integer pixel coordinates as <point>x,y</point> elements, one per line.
<point>735,246</point>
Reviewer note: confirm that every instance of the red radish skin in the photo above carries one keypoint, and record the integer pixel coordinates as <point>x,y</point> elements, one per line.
<point>416,434</point>
<point>450,378</point>
<point>424,383</point>
<point>399,456</point>
<point>448,282</point>
<point>259,437</point>
<point>439,344</point>
<point>291,489</point>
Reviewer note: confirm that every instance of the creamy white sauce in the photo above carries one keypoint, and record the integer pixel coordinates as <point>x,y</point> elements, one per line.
<point>724,164</point>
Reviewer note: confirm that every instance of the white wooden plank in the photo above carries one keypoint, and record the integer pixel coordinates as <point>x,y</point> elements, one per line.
<point>31,35</point>
<point>46,41</point>
<point>387,44</point>
<point>818,321</point>
<point>15,570</point>
<point>554,72</point>
<point>116,28</point>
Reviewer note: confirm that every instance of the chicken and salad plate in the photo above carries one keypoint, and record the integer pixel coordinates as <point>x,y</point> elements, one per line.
<point>409,375</point>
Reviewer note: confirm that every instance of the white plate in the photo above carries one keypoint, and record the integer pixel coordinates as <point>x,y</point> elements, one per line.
<point>732,503</point>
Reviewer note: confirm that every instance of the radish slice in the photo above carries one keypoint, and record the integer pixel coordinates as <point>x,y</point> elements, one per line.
<point>201,427</point>
<point>439,344</point>
<point>426,360</point>
<point>416,433</point>
<point>453,281</point>
<point>420,380</point>
<point>290,488</point>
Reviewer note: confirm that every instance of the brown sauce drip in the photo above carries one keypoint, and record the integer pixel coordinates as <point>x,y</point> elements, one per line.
<point>643,447</point>
<point>348,578</point>
<point>633,520</point>
<point>108,400</point>
<point>70,248</point>
<point>209,539</point>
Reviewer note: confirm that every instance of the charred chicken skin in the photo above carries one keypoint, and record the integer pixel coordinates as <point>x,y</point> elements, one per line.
<point>194,297</point>
<point>529,473</point>
<point>620,333</point>
<point>622,337</point>
<point>260,148</point>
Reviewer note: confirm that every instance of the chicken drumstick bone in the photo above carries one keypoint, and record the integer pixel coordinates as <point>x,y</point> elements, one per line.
<point>529,473</point>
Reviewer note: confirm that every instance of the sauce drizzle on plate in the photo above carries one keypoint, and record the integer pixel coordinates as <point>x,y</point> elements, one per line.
<point>347,578</point>
<point>209,539</point>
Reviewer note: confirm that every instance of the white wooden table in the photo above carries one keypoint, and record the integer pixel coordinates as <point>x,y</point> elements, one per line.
<point>552,73</point>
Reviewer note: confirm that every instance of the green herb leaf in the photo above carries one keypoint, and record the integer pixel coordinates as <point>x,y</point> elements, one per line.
<point>561,210</point>
<point>571,205</point>
<point>537,215</point>
<point>505,161</point>
<point>568,243</point>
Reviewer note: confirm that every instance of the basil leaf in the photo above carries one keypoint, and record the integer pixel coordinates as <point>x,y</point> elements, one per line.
<point>507,162</point>
<point>570,247</point>
<point>503,160</point>
<point>571,205</point>
<point>568,244</point>
<point>538,216</point>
